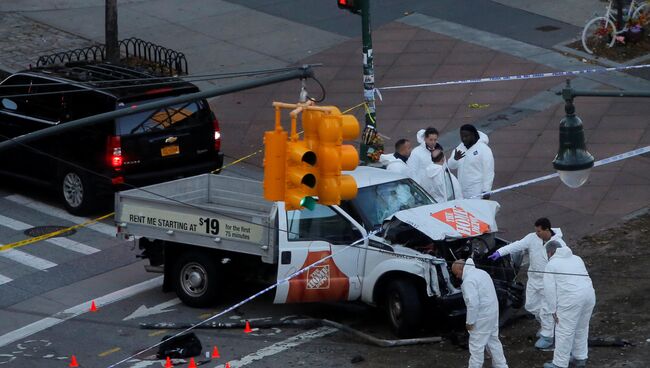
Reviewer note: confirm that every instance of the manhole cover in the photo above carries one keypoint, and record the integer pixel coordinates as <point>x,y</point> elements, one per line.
<point>42,230</point>
<point>547,28</point>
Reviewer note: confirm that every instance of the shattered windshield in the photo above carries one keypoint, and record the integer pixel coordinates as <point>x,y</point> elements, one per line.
<point>376,203</point>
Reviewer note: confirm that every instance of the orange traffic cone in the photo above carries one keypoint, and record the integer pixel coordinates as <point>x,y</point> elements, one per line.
<point>192,363</point>
<point>168,363</point>
<point>215,352</point>
<point>93,307</point>
<point>248,329</point>
<point>73,362</point>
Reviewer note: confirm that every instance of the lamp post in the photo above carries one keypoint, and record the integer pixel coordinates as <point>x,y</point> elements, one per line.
<point>573,162</point>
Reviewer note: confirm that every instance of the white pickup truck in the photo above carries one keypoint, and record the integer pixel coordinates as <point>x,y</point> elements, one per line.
<point>209,230</point>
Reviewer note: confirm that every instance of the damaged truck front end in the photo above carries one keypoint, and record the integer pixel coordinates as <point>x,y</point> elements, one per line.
<point>439,234</point>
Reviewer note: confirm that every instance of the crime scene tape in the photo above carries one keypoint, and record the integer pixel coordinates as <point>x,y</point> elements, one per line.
<point>605,161</point>
<point>517,77</point>
<point>53,234</point>
<point>244,301</point>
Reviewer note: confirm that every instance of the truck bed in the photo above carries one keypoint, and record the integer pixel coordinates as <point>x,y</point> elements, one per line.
<point>213,211</point>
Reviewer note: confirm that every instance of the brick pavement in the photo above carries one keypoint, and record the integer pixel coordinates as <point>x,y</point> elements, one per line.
<point>523,150</point>
<point>24,40</point>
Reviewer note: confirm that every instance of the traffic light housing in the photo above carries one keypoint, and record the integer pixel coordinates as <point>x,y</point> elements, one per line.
<point>275,153</point>
<point>335,157</point>
<point>296,171</point>
<point>352,5</point>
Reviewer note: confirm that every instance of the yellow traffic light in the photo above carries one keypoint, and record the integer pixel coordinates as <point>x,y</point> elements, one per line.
<point>275,151</point>
<point>300,176</point>
<point>334,157</point>
<point>296,171</point>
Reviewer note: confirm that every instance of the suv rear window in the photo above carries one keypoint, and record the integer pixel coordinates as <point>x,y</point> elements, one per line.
<point>181,115</point>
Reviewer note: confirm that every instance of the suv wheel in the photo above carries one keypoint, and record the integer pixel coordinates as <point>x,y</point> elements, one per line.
<point>76,191</point>
<point>404,308</point>
<point>196,279</point>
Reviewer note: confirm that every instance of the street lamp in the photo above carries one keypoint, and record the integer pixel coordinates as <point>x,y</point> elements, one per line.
<point>573,162</point>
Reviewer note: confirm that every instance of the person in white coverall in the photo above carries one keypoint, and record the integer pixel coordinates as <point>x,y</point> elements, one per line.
<point>533,243</point>
<point>474,161</point>
<point>440,182</point>
<point>482,320</point>
<point>571,298</point>
<point>421,156</point>
<point>397,161</point>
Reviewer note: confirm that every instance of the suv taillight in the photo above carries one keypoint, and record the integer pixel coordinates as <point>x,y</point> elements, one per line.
<point>114,153</point>
<point>217,133</point>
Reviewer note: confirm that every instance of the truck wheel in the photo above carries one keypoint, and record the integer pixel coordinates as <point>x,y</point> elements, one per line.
<point>404,308</point>
<point>196,279</point>
<point>76,191</point>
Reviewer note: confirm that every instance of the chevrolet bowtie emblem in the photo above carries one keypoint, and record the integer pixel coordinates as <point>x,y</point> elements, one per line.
<point>171,140</point>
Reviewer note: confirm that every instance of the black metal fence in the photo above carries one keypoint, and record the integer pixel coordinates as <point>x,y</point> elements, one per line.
<point>133,51</point>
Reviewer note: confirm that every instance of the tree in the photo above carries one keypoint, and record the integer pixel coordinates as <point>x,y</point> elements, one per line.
<point>112,46</point>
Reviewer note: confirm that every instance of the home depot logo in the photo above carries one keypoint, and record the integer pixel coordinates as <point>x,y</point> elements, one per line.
<point>464,222</point>
<point>319,278</point>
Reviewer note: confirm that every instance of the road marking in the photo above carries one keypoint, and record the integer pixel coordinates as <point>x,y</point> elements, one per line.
<point>78,310</point>
<point>143,311</point>
<point>5,279</point>
<point>281,346</point>
<point>27,259</point>
<point>73,245</point>
<point>57,212</point>
<point>268,351</point>
<point>109,352</point>
<point>61,242</point>
<point>156,333</point>
<point>14,224</point>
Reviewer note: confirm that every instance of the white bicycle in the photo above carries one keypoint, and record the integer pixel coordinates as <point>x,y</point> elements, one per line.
<point>601,32</point>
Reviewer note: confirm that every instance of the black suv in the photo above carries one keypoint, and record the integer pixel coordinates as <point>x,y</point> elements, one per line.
<point>87,164</point>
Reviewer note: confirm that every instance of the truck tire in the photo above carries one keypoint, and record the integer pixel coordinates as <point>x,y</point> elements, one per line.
<point>77,192</point>
<point>196,279</point>
<point>404,308</point>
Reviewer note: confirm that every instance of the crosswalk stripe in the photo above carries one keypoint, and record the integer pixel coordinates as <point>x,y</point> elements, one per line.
<point>57,212</point>
<point>4,279</point>
<point>73,245</point>
<point>27,259</point>
<point>14,224</point>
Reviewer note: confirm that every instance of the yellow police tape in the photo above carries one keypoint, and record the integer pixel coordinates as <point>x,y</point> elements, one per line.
<point>90,222</point>
<point>53,234</point>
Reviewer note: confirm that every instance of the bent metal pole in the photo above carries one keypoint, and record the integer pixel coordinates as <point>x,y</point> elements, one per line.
<point>301,72</point>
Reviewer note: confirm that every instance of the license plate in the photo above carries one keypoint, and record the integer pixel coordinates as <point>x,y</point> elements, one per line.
<point>170,150</point>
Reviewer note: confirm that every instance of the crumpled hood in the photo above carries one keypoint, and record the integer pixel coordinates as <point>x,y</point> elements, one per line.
<point>456,219</point>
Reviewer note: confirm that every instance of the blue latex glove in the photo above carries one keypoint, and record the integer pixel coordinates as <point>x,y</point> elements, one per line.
<point>494,256</point>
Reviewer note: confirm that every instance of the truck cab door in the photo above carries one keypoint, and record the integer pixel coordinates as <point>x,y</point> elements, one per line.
<point>308,236</point>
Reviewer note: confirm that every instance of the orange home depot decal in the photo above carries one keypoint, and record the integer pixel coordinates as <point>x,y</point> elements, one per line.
<point>464,222</point>
<point>324,282</point>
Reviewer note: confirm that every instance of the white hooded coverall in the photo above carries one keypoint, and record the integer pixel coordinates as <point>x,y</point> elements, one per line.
<point>441,183</point>
<point>572,299</point>
<point>535,302</point>
<point>476,169</point>
<point>483,313</point>
<point>395,164</point>
<point>419,159</point>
